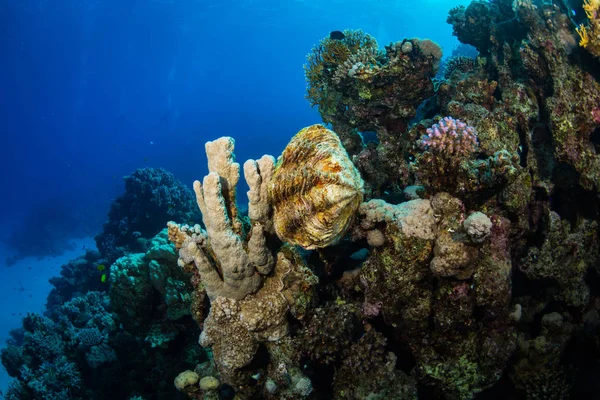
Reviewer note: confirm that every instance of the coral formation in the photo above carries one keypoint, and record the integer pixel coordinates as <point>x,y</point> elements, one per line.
<point>152,197</point>
<point>468,268</point>
<point>238,266</point>
<point>448,161</point>
<point>139,279</point>
<point>94,344</point>
<point>590,35</point>
<point>358,87</point>
<point>43,358</point>
<point>252,288</point>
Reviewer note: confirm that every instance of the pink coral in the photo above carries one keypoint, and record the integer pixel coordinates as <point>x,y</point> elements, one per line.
<point>371,310</point>
<point>451,137</point>
<point>596,114</point>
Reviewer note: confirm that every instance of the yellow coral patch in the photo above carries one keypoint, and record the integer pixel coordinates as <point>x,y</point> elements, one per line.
<point>591,8</point>
<point>582,31</point>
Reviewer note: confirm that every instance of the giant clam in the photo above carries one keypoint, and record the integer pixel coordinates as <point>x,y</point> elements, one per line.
<point>315,191</point>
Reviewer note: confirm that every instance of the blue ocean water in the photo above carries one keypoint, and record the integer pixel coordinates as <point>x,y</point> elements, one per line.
<point>91,90</point>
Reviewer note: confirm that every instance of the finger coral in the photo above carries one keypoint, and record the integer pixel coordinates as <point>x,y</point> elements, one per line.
<point>253,283</point>
<point>315,190</point>
<point>230,263</point>
<point>450,137</point>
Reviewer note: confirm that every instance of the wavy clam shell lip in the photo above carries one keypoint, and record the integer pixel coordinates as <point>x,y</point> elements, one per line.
<point>315,191</point>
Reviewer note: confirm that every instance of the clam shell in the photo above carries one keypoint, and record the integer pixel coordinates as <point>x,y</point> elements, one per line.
<point>315,191</point>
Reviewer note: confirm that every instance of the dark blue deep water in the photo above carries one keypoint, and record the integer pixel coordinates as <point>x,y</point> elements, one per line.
<point>91,90</point>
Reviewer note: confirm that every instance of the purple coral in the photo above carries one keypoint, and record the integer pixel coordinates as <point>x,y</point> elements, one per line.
<point>450,136</point>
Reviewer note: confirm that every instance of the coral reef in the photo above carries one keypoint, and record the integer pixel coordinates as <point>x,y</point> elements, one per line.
<point>77,277</point>
<point>564,257</point>
<point>152,197</point>
<point>139,280</point>
<point>238,265</point>
<point>468,269</point>
<point>119,342</point>
<point>368,371</point>
<point>44,357</point>
<point>358,87</point>
<point>448,161</point>
<point>252,288</point>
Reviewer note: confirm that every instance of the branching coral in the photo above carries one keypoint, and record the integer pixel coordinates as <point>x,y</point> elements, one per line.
<point>251,290</point>
<point>590,35</point>
<point>231,264</point>
<point>450,138</point>
<point>448,161</point>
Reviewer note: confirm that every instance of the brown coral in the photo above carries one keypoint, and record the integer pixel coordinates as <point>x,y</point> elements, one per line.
<point>315,190</point>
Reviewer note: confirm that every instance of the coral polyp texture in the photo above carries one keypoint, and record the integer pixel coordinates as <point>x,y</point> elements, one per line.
<point>315,190</point>
<point>252,282</point>
<point>230,262</point>
<point>450,138</point>
<point>448,160</point>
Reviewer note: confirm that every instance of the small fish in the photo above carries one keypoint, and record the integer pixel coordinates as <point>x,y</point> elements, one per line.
<point>337,35</point>
<point>101,267</point>
<point>103,278</point>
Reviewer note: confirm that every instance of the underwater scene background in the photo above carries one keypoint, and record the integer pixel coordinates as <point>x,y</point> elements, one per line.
<point>300,199</point>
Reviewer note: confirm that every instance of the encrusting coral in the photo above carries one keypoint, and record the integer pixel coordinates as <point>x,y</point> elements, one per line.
<point>420,275</point>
